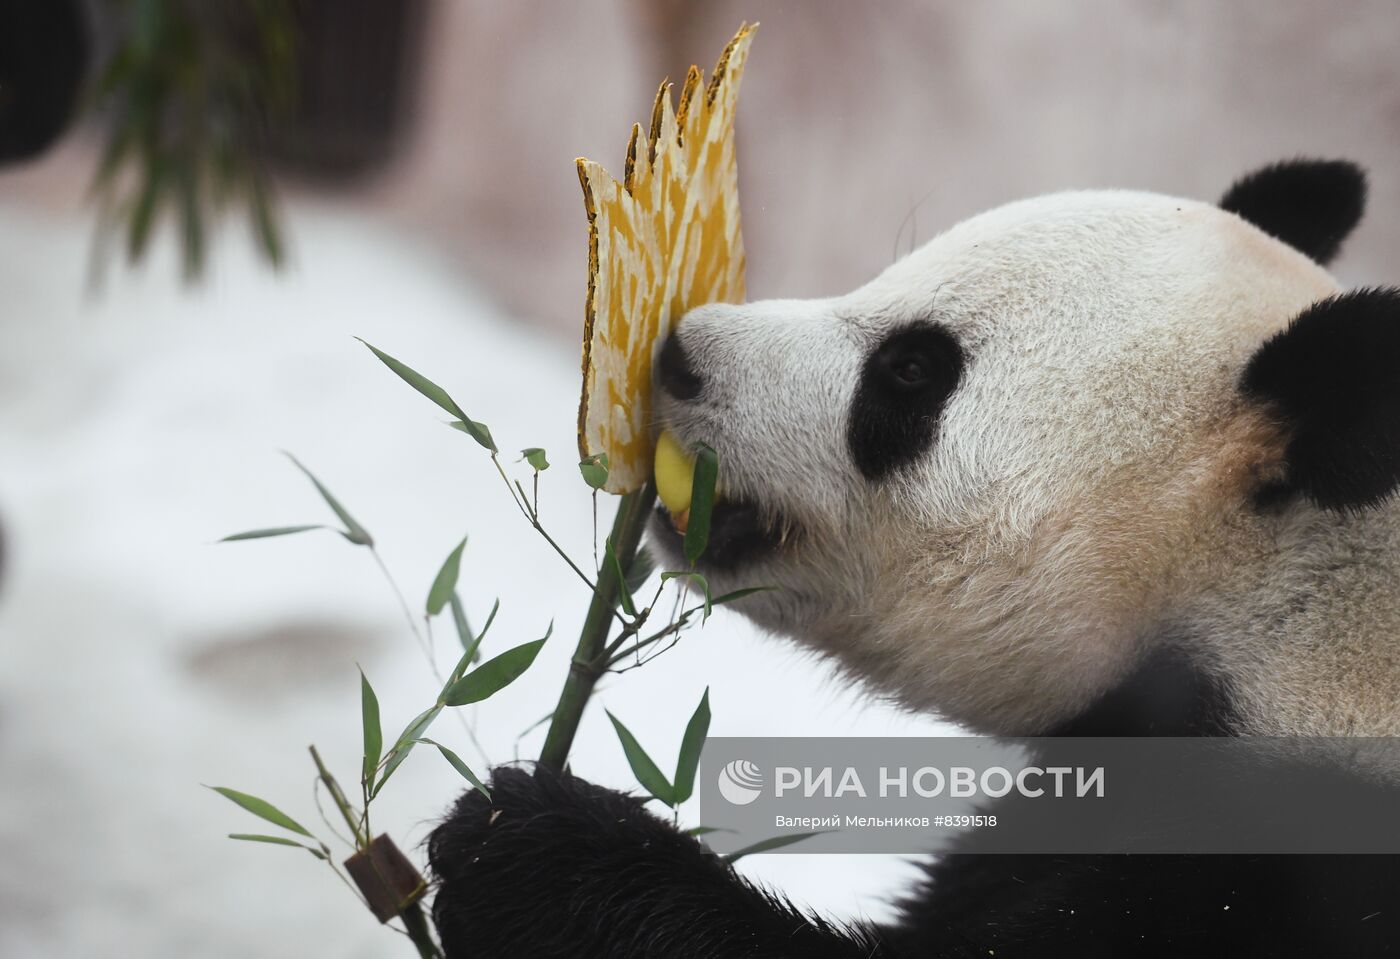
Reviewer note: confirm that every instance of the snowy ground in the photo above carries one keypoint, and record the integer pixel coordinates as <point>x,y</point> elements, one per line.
<point>138,659</point>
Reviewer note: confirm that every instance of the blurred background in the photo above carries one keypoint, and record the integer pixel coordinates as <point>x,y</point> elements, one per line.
<point>202,201</point>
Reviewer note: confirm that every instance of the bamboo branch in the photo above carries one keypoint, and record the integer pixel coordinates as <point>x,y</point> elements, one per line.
<point>417,925</point>
<point>590,660</point>
<point>341,803</point>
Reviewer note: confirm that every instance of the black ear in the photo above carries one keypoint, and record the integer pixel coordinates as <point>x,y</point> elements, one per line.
<point>1309,204</point>
<point>1334,378</point>
<point>43,57</point>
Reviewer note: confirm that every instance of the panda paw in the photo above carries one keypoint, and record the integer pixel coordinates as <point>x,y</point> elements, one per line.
<point>534,867</point>
<point>553,865</point>
<point>538,830</point>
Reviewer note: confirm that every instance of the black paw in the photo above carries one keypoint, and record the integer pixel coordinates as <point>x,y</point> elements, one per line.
<point>536,863</point>
<point>542,829</point>
<point>554,866</point>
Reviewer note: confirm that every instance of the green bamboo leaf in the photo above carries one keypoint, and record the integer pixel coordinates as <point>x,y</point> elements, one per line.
<point>262,809</point>
<point>731,597</point>
<point>459,622</point>
<point>477,431</point>
<point>373,732</point>
<point>471,648</point>
<point>702,503</point>
<point>118,148</point>
<point>354,532</point>
<point>536,458</point>
<point>494,674</point>
<point>624,593</point>
<point>405,743</point>
<point>699,831</point>
<point>491,618</point>
<point>594,470</point>
<point>192,222</point>
<point>768,845</point>
<point>264,220</point>
<point>419,382</point>
<point>276,841</point>
<point>273,531</point>
<point>143,216</point>
<point>741,593</point>
<point>438,395</point>
<point>471,645</point>
<point>651,777</point>
<point>696,578</point>
<point>469,655</point>
<point>446,581</point>
<point>691,743</point>
<point>116,74</point>
<point>462,768</point>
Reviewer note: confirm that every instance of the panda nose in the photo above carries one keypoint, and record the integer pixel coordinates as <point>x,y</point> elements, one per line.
<point>673,370</point>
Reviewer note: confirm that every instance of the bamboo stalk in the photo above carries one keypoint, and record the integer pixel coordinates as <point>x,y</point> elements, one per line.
<point>417,925</point>
<point>590,660</point>
<point>415,922</point>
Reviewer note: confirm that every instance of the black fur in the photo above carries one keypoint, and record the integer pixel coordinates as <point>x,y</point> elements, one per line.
<point>557,867</point>
<point>1333,376</point>
<point>1312,205</point>
<point>1167,695</point>
<point>43,57</point>
<point>1170,905</point>
<point>740,534</point>
<point>674,372</point>
<point>1157,906</point>
<point>905,382</point>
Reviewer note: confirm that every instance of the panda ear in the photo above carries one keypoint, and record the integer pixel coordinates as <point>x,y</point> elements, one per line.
<point>1309,204</point>
<point>1333,377</point>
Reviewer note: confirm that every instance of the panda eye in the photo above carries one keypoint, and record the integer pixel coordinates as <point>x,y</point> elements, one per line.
<point>910,370</point>
<point>912,361</point>
<point>899,398</point>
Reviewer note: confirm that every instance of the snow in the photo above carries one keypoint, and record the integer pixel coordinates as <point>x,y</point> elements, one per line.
<point>139,658</point>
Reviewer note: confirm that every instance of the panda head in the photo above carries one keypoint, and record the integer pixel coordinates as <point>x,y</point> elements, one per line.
<point>987,479</point>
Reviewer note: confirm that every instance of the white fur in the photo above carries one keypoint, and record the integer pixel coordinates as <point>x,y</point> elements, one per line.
<point>1088,492</point>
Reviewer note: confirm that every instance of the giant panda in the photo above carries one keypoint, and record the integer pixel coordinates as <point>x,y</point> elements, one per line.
<point>1096,463</point>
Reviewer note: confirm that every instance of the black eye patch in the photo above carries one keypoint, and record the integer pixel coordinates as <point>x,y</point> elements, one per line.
<point>899,398</point>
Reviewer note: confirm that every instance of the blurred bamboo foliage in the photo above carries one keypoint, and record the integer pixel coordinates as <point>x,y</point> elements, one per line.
<point>189,96</point>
